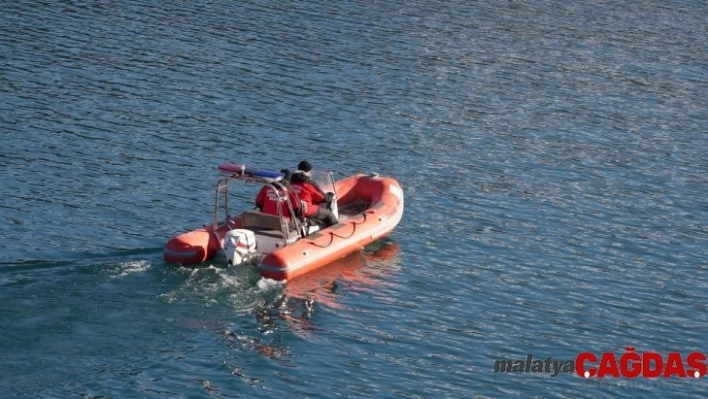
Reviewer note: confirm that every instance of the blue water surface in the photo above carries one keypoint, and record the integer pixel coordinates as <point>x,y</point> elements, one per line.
<point>552,155</point>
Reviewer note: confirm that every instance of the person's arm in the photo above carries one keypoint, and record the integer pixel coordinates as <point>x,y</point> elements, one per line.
<point>317,195</point>
<point>295,201</point>
<point>260,199</point>
<point>316,186</point>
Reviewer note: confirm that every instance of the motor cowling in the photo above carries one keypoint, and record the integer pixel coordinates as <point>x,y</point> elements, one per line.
<point>239,246</point>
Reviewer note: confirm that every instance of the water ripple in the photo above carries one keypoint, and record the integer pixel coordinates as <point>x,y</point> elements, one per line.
<point>551,154</point>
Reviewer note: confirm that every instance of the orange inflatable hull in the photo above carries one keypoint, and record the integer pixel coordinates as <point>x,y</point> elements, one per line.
<point>355,231</point>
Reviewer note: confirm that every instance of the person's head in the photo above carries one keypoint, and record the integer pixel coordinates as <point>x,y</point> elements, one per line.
<point>304,166</point>
<point>298,177</point>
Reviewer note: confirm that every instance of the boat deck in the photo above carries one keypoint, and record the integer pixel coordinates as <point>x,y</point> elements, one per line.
<point>353,209</point>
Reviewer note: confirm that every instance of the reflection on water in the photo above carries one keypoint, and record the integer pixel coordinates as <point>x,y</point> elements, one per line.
<point>366,268</point>
<point>293,308</point>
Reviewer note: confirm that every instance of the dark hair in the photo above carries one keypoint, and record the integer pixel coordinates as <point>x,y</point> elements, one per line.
<point>304,166</point>
<point>298,177</point>
<point>286,175</point>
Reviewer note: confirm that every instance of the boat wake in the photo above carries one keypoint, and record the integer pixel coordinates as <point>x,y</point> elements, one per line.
<point>127,268</point>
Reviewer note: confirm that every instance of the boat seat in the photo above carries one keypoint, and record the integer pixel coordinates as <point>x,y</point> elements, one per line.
<point>260,220</point>
<point>268,232</point>
<point>264,221</point>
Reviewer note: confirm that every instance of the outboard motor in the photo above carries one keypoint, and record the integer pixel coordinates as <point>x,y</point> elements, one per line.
<point>239,246</point>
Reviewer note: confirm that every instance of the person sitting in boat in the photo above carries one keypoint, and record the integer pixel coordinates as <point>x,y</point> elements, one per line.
<point>267,199</point>
<point>305,168</point>
<point>311,196</point>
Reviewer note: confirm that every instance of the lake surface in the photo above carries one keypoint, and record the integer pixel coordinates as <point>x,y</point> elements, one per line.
<point>552,155</point>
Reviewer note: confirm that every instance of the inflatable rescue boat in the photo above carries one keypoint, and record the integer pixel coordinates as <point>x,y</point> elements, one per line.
<point>368,207</point>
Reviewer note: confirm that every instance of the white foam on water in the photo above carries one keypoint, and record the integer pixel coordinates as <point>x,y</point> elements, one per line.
<point>127,268</point>
<point>267,284</point>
